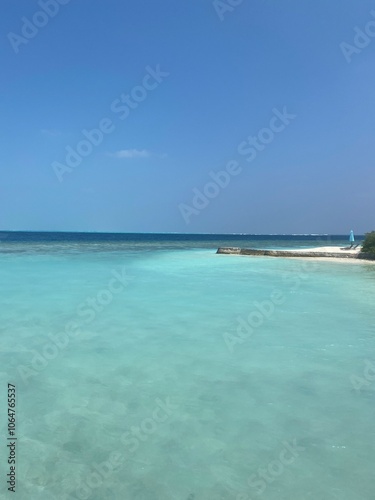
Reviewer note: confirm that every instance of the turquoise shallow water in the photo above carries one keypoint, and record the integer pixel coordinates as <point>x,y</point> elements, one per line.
<point>136,381</point>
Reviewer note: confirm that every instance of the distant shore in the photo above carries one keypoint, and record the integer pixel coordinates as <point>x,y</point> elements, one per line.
<point>344,254</point>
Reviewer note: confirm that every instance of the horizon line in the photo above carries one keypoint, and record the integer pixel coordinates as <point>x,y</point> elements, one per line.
<point>171,232</point>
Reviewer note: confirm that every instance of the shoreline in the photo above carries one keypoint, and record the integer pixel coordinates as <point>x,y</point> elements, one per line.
<point>335,254</point>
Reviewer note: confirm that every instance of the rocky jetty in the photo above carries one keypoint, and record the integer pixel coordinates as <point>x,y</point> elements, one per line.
<point>314,253</point>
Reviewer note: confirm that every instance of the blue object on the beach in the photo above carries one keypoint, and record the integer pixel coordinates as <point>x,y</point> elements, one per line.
<point>351,237</point>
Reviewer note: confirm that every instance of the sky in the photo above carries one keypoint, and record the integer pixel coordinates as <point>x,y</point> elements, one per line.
<point>206,116</point>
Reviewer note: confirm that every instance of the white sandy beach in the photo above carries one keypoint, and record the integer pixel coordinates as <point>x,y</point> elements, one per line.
<point>327,253</point>
<point>331,249</point>
<point>336,250</point>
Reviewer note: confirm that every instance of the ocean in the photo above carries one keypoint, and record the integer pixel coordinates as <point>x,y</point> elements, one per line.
<point>147,367</point>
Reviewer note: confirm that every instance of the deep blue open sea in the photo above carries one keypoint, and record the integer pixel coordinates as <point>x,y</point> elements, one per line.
<point>147,367</point>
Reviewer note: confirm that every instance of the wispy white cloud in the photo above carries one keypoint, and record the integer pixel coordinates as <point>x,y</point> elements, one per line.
<point>88,190</point>
<point>50,133</point>
<point>137,153</point>
<point>132,153</point>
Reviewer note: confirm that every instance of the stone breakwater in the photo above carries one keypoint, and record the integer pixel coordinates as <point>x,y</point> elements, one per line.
<point>295,253</point>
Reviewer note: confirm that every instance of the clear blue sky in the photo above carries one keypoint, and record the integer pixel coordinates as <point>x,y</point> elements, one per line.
<point>225,78</point>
